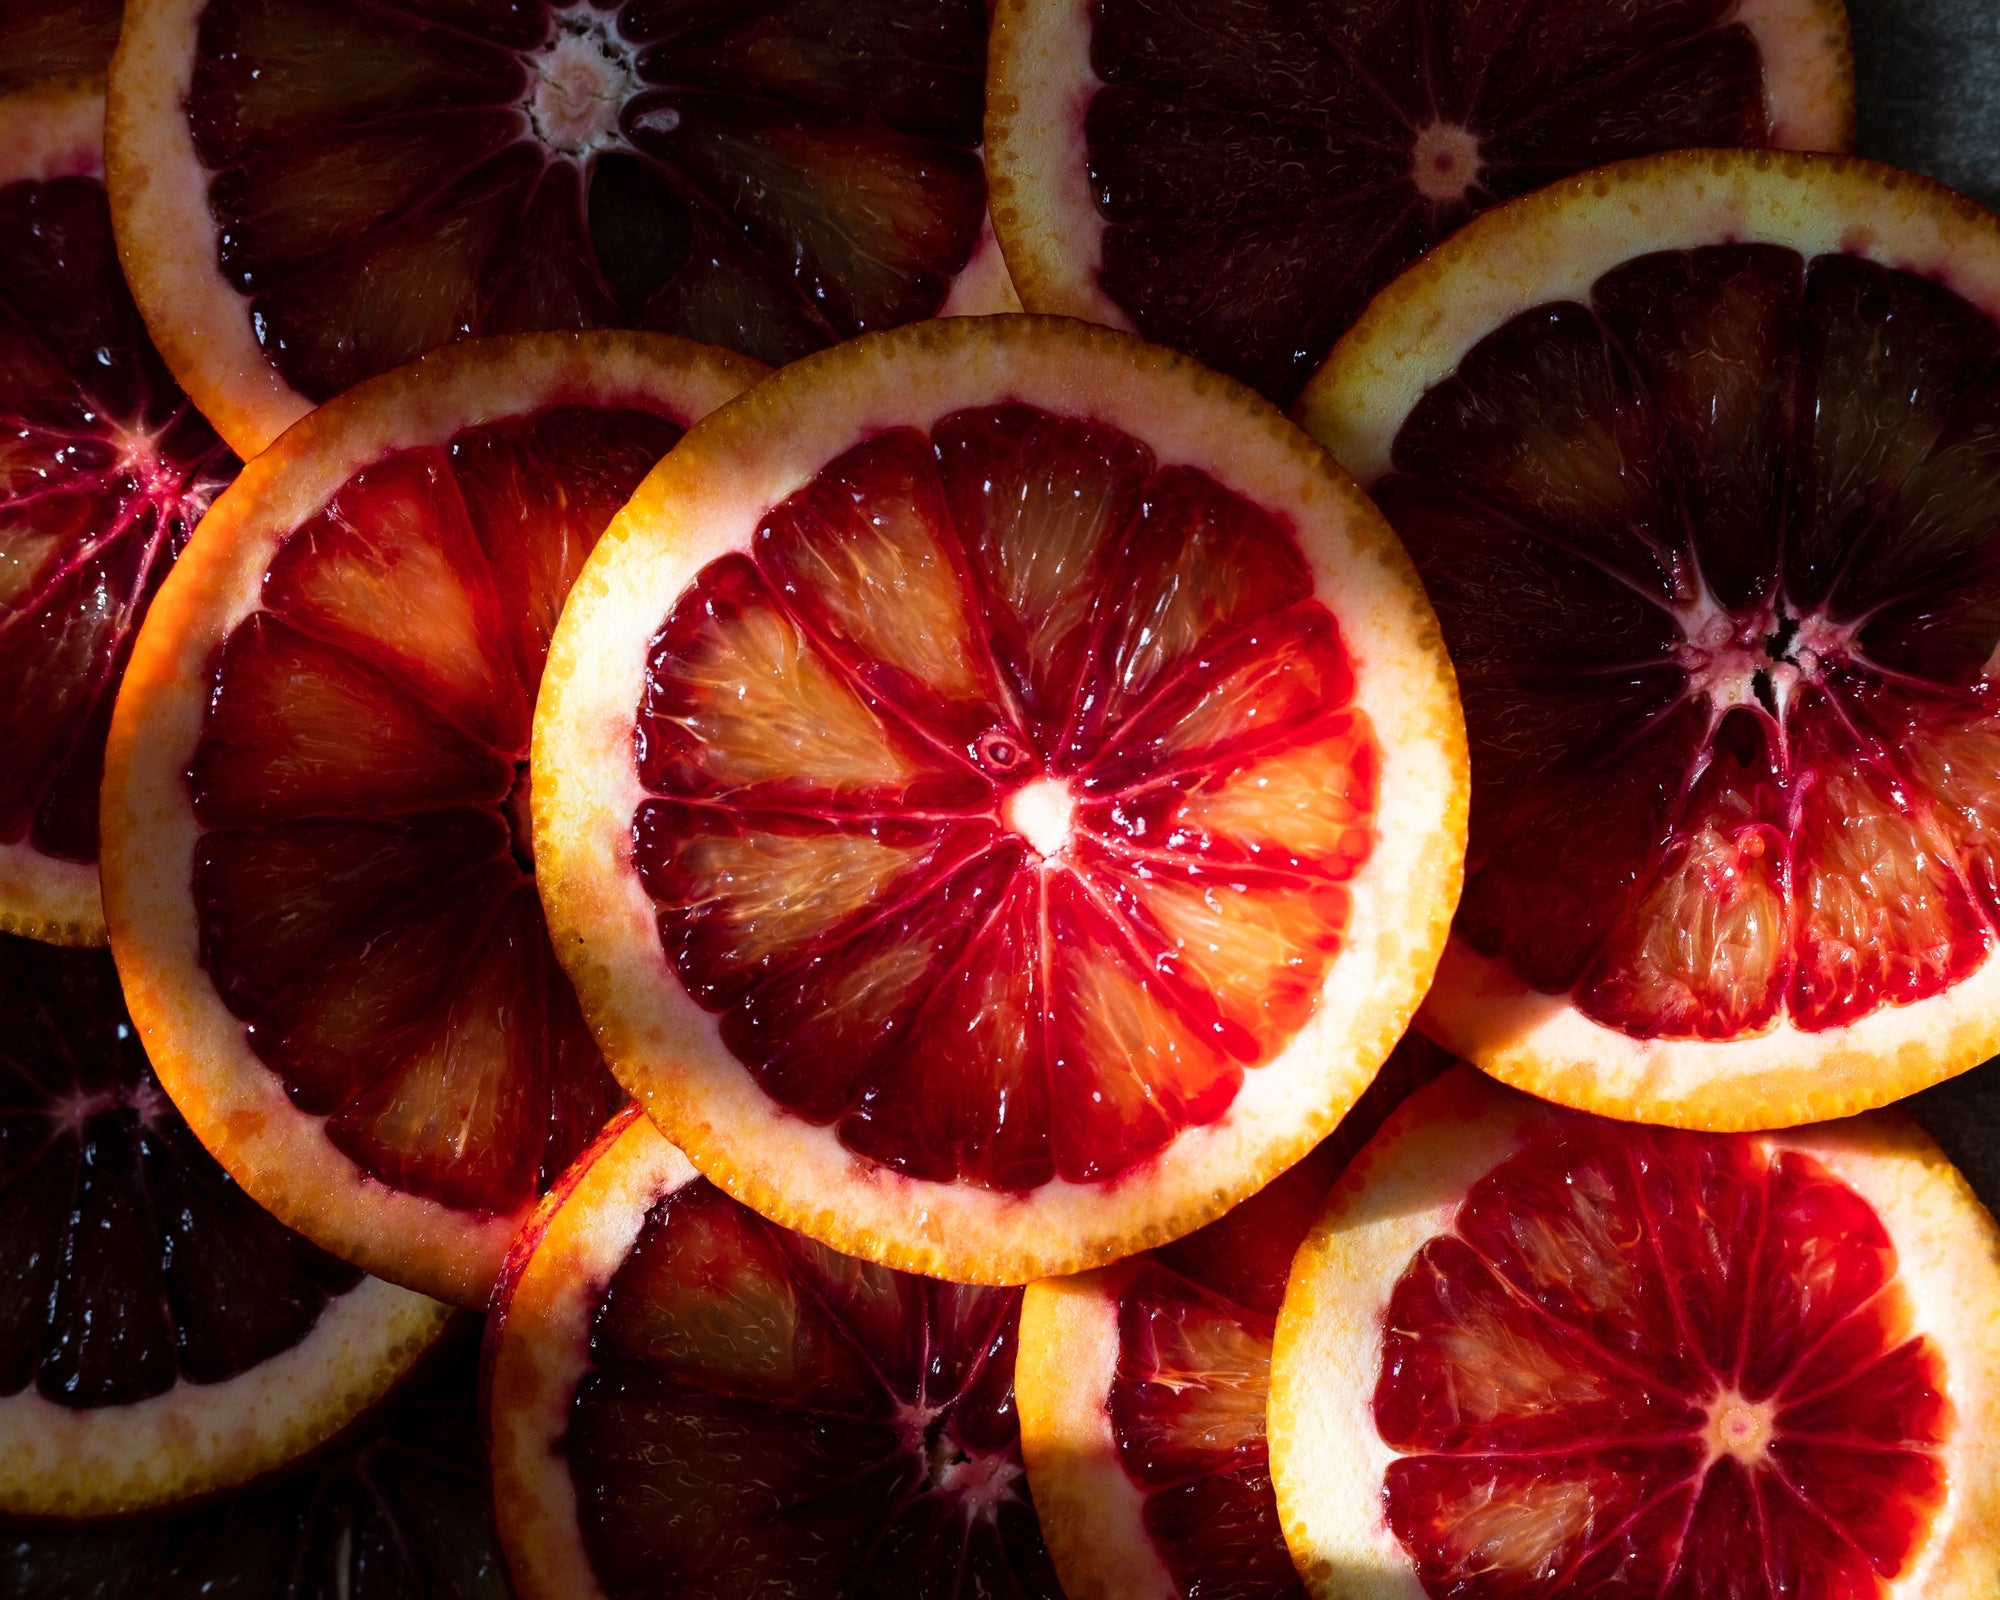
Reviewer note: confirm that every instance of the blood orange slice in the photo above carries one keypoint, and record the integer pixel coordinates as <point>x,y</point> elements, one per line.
<point>1236,180</point>
<point>308,194</point>
<point>1142,1389</point>
<point>43,39</point>
<point>1045,796</point>
<point>318,872</point>
<point>104,469</point>
<point>1691,455</point>
<point>161,1336</point>
<point>394,1509</point>
<point>675,1385</point>
<point>1532,1352</point>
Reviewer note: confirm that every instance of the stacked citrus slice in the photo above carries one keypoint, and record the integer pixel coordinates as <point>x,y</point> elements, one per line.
<point>675,1385</point>
<point>394,1509</point>
<point>1142,1389</point>
<point>318,870</point>
<point>310,193</point>
<point>1531,1352</point>
<point>104,470</point>
<point>1693,454</point>
<point>50,39</point>
<point>1236,180</point>
<point>161,1336</point>
<point>998,794</point>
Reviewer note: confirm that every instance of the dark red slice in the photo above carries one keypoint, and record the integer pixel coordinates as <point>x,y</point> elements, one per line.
<point>1714,557</point>
<point>1195,1325</point>
<point>1005,794</point>
<point>1262,167</point>
<point>1646,1362</point>
<point>105,467</point>
<point>396,1509</point>
<point>763,1415</point>
<point>130,1261</point>
<point>772,178</point>
<point>56,39</point>
<point>365,880</point>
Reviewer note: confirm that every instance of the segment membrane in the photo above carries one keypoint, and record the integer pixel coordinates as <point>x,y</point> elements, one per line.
<point>761,1412</point>
<point>1558,1432</point>
<point>1709,554</point>
<point>836,725</point>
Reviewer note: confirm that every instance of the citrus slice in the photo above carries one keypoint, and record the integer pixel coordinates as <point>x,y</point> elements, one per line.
<point>104,470</point>
<point>160,1336</point>
<point>396,1508</point>
<point>1691,455</point>
<point>308,193</point>
<point>675,1385</point>
<point>1142,1387</point>
<point>43,39</point>
<point>317,864</point>
<point>1046,800</point>
<point>1237,180</point>
<point>1532,1352</point>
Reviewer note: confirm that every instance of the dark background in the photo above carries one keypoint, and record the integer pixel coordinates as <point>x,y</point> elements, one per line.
<point>1927,87</point>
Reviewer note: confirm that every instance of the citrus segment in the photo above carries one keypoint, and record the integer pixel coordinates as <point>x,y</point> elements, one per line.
<point>1695,508</point>
<point>674,1383</point>
<point>1238,181</point>
<point>310,194</point>
<point>1012,789</point>
<point>1528,1351</point>
<point>162,1336</point>
<point>46,39</point>
<point>396,1506</point>
<point>1142,1389</point>
<point>105,470</point>
<point>326,902</point>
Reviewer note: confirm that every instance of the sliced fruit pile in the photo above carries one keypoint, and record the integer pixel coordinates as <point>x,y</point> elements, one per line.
<point>1699,481</point>
<point>1047,796</point>
<point>161,1336</point>
<point>318,868</point>
<point>395,1509</point>
<point>1237,180</point>
<point>1528,1351</point>
<point>676,1385</point>
<point>1142,1388</point>
<point>104,471</point>
<point>310,194</point>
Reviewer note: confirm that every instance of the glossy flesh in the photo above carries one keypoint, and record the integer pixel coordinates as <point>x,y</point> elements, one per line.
<point>1264,166</point>
<point>763,1415</point>
<point>104,470</point>
<point>1006,791</point>
<point>772,178</point>
<point>1713,557</point>
<point>1646,1362</point>
<point>131,1261</point>
<point>1195,1325</point>
<point>364,882</point>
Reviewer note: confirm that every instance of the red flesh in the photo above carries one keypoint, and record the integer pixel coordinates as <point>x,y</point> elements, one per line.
<point>131,1261</point>
<point>1713,557</point>
<point>775,178</point>
<point>764,1415</point>
<point>836,723</point>
<point>1262,165</point>
<point>1553,1371</point>
<point>104,471</point>
<point>364,885</point>
<point>1194,1348</point>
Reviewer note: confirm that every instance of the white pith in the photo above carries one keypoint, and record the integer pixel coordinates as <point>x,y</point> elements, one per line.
<point>583,75</point>
<point>1040,811</point>
<point>1444,162</point>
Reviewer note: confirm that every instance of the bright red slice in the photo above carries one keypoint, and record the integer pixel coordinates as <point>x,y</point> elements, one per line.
<point>325,895</point>
<point>676,1385</point>
<point>105,468</point>
<point>1533,1352</point>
